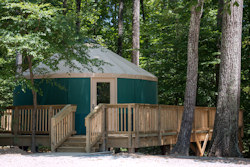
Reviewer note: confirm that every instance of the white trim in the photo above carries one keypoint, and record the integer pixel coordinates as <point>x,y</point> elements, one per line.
<point>113,90</point>
<point>97,75</point>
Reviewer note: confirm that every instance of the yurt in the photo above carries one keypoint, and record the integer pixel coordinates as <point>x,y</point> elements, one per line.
<point>119,81</point>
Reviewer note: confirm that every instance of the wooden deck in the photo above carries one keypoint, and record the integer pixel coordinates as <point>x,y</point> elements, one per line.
<point>54,124</point>
<point>143,125</point>
<point>108,126</point>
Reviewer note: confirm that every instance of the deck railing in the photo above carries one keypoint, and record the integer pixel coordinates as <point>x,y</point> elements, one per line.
<point>62,126</point>
<point>135,122</point>
<point>6,120</point>
<point>18,119</point>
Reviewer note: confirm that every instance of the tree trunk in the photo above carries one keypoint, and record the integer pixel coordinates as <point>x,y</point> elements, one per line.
<point>33,139</point>
<point>142,9</point>
<point>78,9</point>
<point>183,142</point>
<point>19,61</point>
<point>219,24</point>
<point>136,32</point>
<point>225,134</point>
<point>120,27</point>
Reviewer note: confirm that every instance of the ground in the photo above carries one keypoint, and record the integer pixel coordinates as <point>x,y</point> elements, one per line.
<point>15,157</point>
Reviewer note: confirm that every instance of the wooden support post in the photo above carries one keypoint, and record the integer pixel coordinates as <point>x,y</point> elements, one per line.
<point>15,124</point>
<point>204,145</point>
<point>53,134</point>
<point>104,129</point>
<point>50,115</point>
<point>137,123</point>
<point>178,125</point>
<point>198,145</point>
<point>73,120</point>
<point>159,126</point>
<point>129,127</point>
<point>88,133</point>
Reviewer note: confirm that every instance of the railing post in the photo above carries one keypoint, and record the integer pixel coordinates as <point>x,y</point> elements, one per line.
<point>88,133</point>
<point>159,125</point>
<point>50,115</point>
<point>130,129</point>
<point>73,119</point>
<point>137,123</point>
<point>53,134</point>
<point>104,129</point>
<point>16,121</point>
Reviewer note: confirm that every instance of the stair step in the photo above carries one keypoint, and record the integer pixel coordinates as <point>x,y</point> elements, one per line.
<point>76,143</point>
<point>76,138</point>
<point>76,149</point>
<point>72,144</point>
<point>71,149</point>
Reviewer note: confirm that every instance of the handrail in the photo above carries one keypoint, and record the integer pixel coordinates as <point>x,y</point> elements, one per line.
<point>62,126</point>
<point>95,127</point>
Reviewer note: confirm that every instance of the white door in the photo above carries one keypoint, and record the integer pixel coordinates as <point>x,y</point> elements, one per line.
<point>103,91</point>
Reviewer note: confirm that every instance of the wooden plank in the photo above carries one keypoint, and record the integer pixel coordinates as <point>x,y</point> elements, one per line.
<point>53,134</point>
<point>121,116</point>
<point>159,124</point>
<point>204,144</point>
<point>198,145</point>
<point>43,120</point>
<point>137,123</point>
<point>37,120</point>
<point>88,135</point>
<point>129,127</point>
<point>125,119</point>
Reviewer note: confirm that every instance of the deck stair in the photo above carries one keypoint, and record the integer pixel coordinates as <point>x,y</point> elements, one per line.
<point>75,143</point>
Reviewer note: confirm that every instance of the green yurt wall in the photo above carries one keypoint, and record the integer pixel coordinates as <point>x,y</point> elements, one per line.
<point>68,91</point>
<point>136,91</point>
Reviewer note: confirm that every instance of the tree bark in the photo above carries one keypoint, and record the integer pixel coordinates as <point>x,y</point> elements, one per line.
<point>120,27</point>
<point>78,9</point>
<point>136,32</point>
<point>224,141</point>
<point>219,24</point>
<point>183,142</point>
<point>19,61</point>
<point>142,9</point>
<point>33,139</point>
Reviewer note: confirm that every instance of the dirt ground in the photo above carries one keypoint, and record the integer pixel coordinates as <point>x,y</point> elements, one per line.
<point>16,157</point>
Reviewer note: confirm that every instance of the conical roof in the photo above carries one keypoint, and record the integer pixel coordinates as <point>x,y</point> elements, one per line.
<point>115,66</point>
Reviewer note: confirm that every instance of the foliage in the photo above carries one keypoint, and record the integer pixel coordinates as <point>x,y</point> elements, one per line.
<point>41,31</point>
<point>39,28</point>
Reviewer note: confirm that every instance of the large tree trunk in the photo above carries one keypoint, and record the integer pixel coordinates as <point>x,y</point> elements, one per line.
<point>120,27</point>
<point>225,134</point>
<point>33,139</point>
<point>219,24</point>
<point>136,32</point>
<point>78,9</point>
<point>183,142</point>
